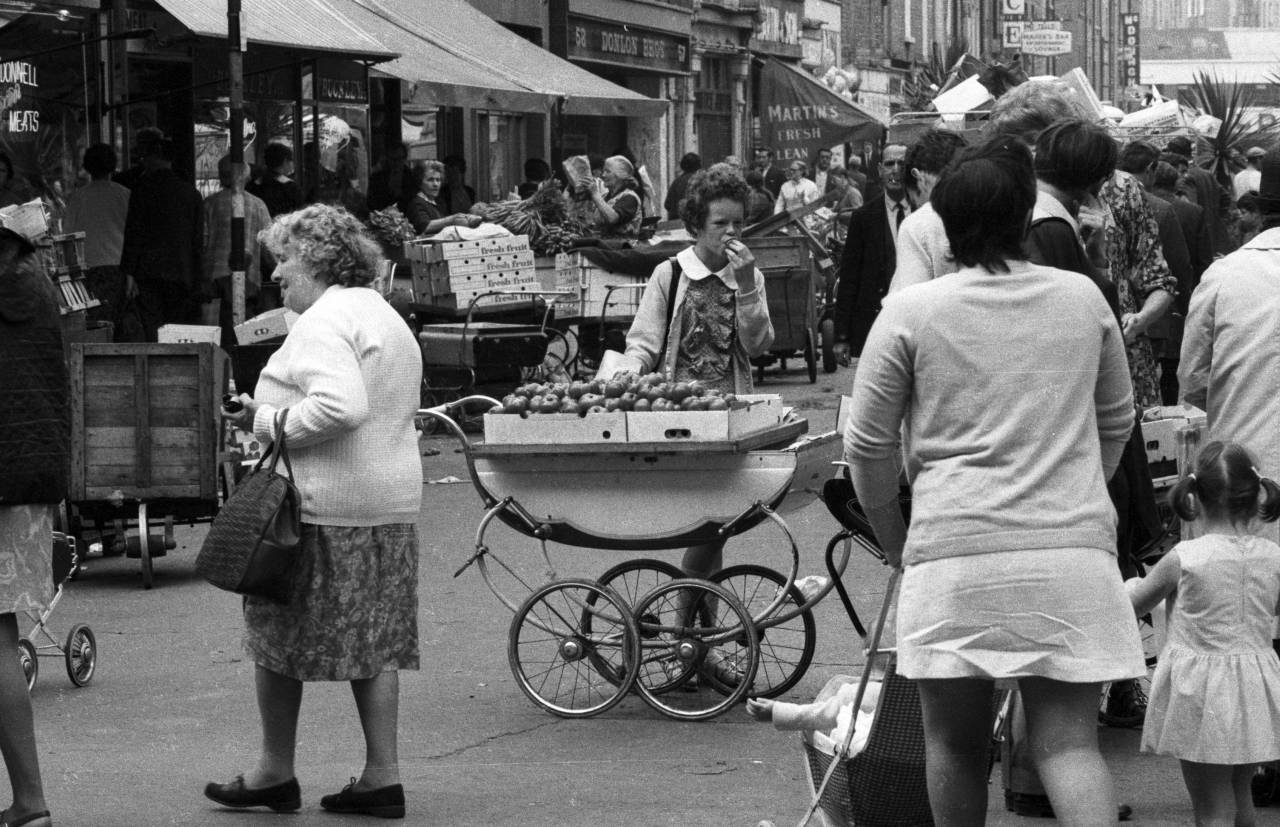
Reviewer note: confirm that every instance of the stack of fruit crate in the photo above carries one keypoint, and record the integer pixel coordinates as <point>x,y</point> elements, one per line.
<point>69,271</point>
<point>575,272</point>
<point>451,274</point>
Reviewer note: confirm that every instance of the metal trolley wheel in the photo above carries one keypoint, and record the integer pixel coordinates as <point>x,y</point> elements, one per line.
<point>631,581</point>
<point>787,636</point>
<point>30,662</point>
<point>690,628</point>
<point>553,653</point>
<point>81,654</point>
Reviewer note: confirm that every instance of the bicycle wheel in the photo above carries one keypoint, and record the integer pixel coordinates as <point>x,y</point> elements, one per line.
<point>692,628</point>
<point>786,648</point>
<point>551,653</point>
<point>1126,706</point>
<point>631,581</point>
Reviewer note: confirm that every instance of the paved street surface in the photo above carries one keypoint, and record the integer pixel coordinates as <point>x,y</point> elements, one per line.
<point>172,704</point>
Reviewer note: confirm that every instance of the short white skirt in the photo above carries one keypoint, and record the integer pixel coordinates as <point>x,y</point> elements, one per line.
<point>1058,613</point>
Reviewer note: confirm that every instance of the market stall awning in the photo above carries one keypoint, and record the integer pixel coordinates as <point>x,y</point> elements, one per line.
<point>799,115</point>
<point>310,25</point>
<point>459,56</point>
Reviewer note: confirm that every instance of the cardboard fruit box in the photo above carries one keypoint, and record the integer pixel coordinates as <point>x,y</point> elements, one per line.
<point>427,251</point>
<point>555,428</point>
<point>764,411</point>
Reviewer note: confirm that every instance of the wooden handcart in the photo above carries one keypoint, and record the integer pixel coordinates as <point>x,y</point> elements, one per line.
<point>148,444</point>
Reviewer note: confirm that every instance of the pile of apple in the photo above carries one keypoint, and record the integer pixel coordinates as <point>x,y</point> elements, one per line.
<point>624,392</point>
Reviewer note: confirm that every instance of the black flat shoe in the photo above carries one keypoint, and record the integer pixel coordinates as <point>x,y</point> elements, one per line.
<point>384,802</point>
<point>30,819</point>
<point>283,798</point>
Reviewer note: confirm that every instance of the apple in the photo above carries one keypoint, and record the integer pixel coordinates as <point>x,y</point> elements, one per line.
<point>612,404</point>
<point>595,409</point>
<point>568,405</point>
<point>627,401</point>
<point>642,405</point>
<point>663,404</point>
<point>515,404</point>
<point>588,400</point>
<point>717,403</point>
<point>577,389</point>
<point>614,389</point>
<point>679,392</point>
<point>654,378</point>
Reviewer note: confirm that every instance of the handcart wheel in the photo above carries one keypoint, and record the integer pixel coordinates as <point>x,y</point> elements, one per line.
<point>631,581</point>
<point>30,662</point>
<point>786,647</point>
<point>552,652</point>
<point>692,628</point>
<point>81,654</point>
<point>144,546</point>
<point>828,332</point>
<point>811,355</point>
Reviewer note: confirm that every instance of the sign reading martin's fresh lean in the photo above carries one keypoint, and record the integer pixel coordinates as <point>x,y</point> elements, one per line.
<point>799,116</point>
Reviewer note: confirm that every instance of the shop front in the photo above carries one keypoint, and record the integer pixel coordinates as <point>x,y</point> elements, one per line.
<point>305,85</point>
<point>779,35</point>
<point>645,47</point>
<point>468,86</point>
<point>48,97</point>
<point>720,70</point>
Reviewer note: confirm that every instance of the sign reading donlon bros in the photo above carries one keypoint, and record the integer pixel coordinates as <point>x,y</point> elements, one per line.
<point>799,116</point>
<point>603,42</point>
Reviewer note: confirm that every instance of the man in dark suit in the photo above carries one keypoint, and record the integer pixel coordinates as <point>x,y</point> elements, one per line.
<point>163,241</point>
<point>773,177</point>
<point>870,256</point>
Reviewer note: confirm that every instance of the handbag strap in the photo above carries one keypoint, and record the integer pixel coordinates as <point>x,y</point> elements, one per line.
<point>676,272</point>
<point>278,449</point>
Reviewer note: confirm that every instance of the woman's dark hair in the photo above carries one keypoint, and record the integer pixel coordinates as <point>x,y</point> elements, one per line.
<point>1166,176</point>
<point>691,162</point>
<point>99,160</point>
<point>931,152</point>
<point>1074,155</point>
<point>1226,483</point>
<point>754,179</point>
<point>536,169</point>
<point>719,182</point>
<point>275,155</point>
<point>984,198</point>
<point>1137,157</point>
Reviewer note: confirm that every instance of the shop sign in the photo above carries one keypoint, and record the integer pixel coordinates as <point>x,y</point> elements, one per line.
<point>169,37</point>
<point>1130,68</point>
<point>264,78</point>
<point>619,44</point>
<point>779,27</point>
<point>1046,42</point>
<point>341,81</point>
<point>799,115</point>
<point>18,81</point>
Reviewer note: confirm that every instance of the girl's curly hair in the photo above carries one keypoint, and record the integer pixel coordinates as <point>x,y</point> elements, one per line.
<point>719,181</point>
<point>330,241</point>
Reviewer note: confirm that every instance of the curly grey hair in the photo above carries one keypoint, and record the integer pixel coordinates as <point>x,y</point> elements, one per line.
<point>329,241</point>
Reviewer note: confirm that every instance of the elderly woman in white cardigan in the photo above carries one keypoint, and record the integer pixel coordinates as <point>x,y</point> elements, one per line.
<point>349,374</point>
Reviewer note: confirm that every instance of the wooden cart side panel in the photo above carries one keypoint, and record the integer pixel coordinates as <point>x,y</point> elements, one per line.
<point>76,369</point>
<point>146,421</point>
<point>790,297</point>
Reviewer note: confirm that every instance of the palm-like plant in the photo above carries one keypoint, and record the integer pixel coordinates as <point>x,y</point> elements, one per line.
<point>1229,102</point>
<point>930,76</point>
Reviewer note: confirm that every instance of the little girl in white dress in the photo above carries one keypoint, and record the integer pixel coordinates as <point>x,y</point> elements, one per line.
<point>1215,696</point>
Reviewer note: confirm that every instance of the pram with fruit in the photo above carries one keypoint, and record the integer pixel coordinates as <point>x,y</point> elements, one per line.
<point>691,648</point>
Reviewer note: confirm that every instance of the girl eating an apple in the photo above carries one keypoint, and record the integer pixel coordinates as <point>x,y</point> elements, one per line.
<point>703,314</point>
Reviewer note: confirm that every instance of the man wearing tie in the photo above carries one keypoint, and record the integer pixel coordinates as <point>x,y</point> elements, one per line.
<point>870,256</point>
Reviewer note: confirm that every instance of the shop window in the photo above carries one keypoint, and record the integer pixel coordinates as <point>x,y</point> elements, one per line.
<point>45,101</point>
<point>503,155</point>
<point>713,109</point>
<point>265,122</point>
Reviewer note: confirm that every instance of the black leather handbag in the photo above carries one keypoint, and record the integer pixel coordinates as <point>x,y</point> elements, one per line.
<point>253,543</point>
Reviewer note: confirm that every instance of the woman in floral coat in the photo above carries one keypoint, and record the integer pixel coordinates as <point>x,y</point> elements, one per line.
<point>1142,278</point>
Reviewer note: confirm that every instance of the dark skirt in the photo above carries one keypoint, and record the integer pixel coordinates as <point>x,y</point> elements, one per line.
<point>354,613</point>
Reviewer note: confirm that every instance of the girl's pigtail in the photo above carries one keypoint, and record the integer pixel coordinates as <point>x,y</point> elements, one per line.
<point>1184,499</point>
<point>1269,507</point>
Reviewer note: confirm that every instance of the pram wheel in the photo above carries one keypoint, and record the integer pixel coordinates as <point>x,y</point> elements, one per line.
<point>30,662</point>
<point>81,654</point>
<point>786,645</point>
<point>631,581</point>
<point>566,665</point>
<point>1124,704</point>
<point>690,629</point>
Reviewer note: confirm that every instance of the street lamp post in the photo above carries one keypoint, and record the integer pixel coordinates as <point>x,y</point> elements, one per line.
<point>236,84</point>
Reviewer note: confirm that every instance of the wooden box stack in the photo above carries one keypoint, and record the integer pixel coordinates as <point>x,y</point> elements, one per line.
<point>574,271</point>
<point>69,271</point>
<point>451,274</point>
